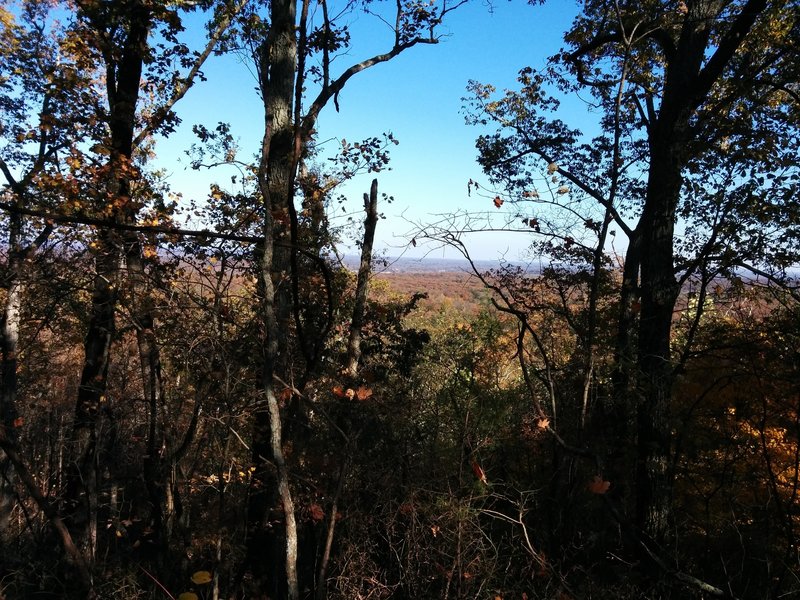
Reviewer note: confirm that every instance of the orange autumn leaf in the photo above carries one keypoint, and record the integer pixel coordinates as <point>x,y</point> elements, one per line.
<point>363,393</point>
<point>543,423</point>
<point>285,394</point>
<point>316,513</point>
<point>498,201</point>
<point>18,422</point>
<point>479,472</point>
<point>598,485</point>
<point>339,391</point>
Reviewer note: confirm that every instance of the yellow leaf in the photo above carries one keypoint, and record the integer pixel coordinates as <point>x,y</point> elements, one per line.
<point>201,577</point>
<point>188,596</point>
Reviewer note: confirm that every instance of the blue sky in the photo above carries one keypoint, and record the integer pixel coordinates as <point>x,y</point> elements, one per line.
<point>416,96</point>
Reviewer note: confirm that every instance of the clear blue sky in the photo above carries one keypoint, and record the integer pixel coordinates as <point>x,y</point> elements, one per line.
<point>417,96</point>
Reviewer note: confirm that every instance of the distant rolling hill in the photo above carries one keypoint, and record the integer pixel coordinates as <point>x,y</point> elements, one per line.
<point>428,264</point>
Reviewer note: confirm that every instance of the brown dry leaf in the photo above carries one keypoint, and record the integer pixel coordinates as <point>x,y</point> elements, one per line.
<point>498,201</point>
<point>598,485</point>
<point>543,423</point>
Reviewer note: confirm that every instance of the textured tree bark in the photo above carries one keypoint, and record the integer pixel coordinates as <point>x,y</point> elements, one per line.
<point>659,292</point>
<point>624,376</point>
<point>362,284</point>
<point>81,485</point>
<point>8,377</point>
<point>277,63</point>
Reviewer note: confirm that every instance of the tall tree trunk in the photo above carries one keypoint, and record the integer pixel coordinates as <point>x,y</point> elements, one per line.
<point>8,376</point>
<point>82,478</point>
<point>156,469</point>
<point>693,65</point>
<point>362,284</point>
<point>123,80</point>
<point>659,292</point>
<point>617,416</point>
<point>277,64</point>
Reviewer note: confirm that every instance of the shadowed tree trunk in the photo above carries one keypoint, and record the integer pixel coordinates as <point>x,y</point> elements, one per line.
<point>659,291</point>
<point>694,63</point>
<point>123,84</point>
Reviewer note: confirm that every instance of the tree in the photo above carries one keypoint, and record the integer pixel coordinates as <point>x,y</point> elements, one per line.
<point>89,161</point>
<point>47,104</point>
<point>283,45</point>
<point>117,40</point>
<point>692,162</point>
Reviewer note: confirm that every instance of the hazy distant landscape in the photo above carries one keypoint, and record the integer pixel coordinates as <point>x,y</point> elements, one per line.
<point>429,264</point>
